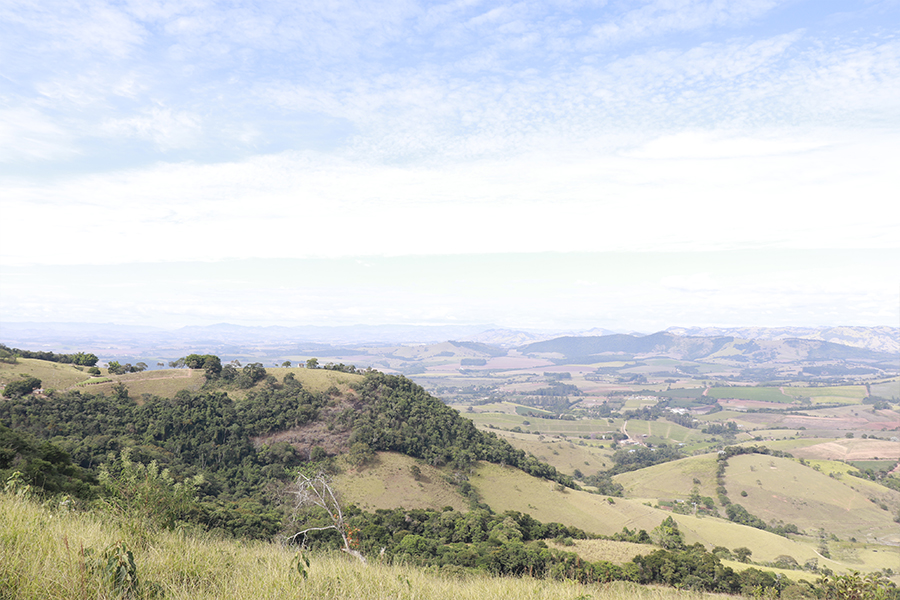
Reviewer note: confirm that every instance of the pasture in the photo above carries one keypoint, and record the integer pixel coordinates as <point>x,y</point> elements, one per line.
<point>565,455</point>
<point>780,489</point>
<point>672,480</point>
<point>164,383</point>
<point>54,376</point>
<point>394,480</point>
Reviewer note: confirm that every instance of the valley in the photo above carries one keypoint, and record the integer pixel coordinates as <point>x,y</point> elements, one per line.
<point>780,456</point>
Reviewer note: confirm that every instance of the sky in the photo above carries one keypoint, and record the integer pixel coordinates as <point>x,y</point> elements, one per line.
<point>630,165</point>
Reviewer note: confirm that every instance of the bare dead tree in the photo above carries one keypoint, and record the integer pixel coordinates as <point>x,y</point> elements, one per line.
<point>318,491</point>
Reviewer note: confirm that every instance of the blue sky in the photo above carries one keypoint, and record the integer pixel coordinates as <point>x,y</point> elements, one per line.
<point>628,165</point>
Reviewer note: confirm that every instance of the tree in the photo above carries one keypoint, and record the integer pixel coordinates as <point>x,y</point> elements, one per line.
<point>854,586</point>
<point>255,371</point>
<point>668,535</point>
<point>317,491</point>
<point>21,387</point>
<point>115,368</point>
<point>360,454</point>
<point>212,365</point>
<point>312,363</point>
<point>286,363</point>
<point>743,554</point>
<point>194,361</point>
<point>85,359</point>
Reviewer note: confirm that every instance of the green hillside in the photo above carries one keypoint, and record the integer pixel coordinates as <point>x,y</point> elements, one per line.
<point>784,490</point>
<point>673,480</point>
<point>392,480</point>
<point>238,445</point>
<point>52,554</point>
<point>53,375</point>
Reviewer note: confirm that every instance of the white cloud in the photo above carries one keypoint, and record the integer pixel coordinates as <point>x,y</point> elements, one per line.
<point>664,16</point>
<point>76,27</point>
<point>165,128</point>
<point>751,194</point>
<point>26,133</point>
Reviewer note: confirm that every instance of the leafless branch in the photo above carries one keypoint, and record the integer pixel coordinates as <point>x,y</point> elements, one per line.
<point>318,491</point>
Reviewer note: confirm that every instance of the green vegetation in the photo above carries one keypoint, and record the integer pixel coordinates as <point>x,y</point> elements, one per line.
<point>423,486</point>
<point>398,415</point>
<point>52,553</point>
<point>21,387</point>
<point>84,359</point>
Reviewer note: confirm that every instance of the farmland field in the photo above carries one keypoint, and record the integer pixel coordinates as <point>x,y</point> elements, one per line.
<point>761,394</point>
<point>887,389</point>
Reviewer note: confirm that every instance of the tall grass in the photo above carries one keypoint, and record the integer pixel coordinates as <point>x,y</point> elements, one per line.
<point>48,552</point>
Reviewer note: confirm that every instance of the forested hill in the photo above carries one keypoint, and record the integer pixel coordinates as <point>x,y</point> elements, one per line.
<point>211,434</point>
<point>401,416</point>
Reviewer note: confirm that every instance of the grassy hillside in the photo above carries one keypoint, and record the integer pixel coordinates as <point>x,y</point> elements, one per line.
<point>564,454</point>
<point>782,489</point>
<point>317,380</point>
<point>51,554</point>
<point>232,436</point>
<point>55,376</point>
<point>609,550</point>
<point>510,489</point>
<point>163,383</point>
<point>391,481</point>
<point>673,480</point>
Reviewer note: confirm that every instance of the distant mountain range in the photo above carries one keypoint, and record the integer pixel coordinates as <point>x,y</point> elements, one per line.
<point>881,339</point>
<point>720,349</point>
<point>690,343</point>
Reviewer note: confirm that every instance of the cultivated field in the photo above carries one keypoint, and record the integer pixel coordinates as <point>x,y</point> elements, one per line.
<point>851,449</point>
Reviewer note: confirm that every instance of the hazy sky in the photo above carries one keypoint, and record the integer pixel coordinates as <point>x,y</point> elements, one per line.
<point>620,164</point>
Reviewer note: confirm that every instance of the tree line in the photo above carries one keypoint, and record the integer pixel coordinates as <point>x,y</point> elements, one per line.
<point>84,359</point>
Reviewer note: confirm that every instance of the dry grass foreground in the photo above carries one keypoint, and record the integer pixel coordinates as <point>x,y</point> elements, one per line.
<point>46,553</point>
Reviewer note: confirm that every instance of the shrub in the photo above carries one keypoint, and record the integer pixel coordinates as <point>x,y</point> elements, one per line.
<point>21,387</point>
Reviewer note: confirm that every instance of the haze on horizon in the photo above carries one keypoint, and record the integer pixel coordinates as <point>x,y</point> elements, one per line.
<point>631,166</point>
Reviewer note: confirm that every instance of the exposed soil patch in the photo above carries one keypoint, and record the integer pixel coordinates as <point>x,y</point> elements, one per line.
<point>334,439</point>
<point>307,437</point>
